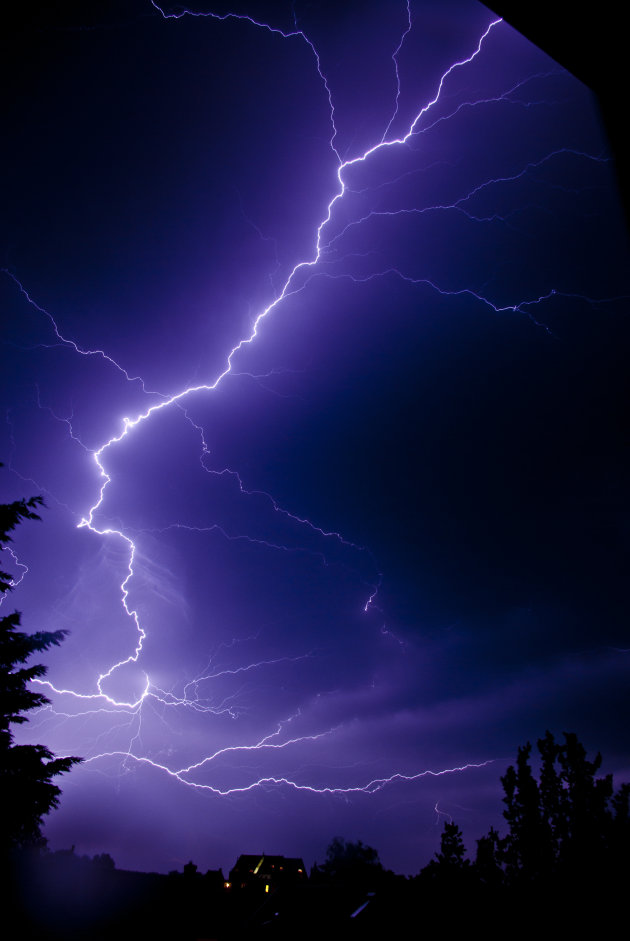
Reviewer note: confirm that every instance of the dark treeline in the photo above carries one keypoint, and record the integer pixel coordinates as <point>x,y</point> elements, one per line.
<point>567,827</point>
<point>564,862</point>
<point>562,865</point>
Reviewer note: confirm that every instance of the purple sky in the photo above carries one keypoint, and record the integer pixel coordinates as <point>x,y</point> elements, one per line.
<point>332,592</point>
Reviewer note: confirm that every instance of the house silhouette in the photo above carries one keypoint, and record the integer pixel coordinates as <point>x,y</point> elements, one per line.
<point>267,873</point>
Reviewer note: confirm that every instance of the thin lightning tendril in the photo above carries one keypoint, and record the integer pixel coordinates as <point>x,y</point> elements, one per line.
<point>63,341</point>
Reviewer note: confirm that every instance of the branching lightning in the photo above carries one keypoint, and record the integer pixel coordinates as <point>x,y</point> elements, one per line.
<point>325,241</point>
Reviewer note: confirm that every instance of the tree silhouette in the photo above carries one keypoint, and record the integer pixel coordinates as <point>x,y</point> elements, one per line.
<point>568,830</point>
<point>528,850</point>
<point>349,863</point>
<point>26,771</point>
<point>452,850</point>
<point>569,824</point>
<point>449,871</point>
<point>487,862</point>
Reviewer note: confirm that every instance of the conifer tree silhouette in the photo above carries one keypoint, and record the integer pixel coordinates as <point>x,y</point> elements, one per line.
<point>27,792</point>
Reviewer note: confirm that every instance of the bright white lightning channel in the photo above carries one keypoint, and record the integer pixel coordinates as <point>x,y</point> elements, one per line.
<point>291,286</point>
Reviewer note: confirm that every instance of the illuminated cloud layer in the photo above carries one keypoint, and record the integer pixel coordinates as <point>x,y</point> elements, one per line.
<point>315,350</point>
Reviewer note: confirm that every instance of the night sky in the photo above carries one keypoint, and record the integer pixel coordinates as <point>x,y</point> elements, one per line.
<point>332,591</point>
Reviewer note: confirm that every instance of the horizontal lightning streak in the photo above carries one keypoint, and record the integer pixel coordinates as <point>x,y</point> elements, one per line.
<point>233,671</point>
<point>376,784</point>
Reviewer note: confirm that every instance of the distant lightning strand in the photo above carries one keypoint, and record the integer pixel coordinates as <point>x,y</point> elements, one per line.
<point>397,73</point>
<point>64,421</point>
<point>458,204</point>
<point>296,33</point>
<point>71,343</point>
<point>503,97</point>
<point>441,813</point>
<point>303,521</point>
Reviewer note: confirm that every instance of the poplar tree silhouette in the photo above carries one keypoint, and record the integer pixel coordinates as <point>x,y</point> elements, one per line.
<point>27,792</point>
<point>487,866</point>
<point>568,825</point>
<point>567,828</point>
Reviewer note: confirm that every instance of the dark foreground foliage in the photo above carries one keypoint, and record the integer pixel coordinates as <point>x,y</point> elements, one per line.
<point>567,826</point>
<point>563,863</point>
<point>27,791</point>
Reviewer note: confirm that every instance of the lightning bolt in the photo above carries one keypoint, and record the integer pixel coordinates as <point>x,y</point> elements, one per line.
<point>100,700</point>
